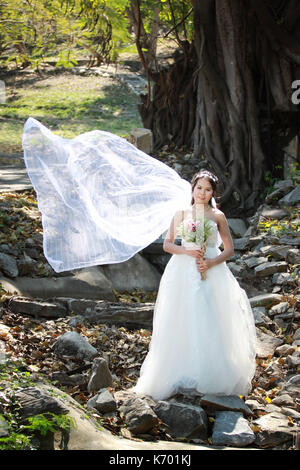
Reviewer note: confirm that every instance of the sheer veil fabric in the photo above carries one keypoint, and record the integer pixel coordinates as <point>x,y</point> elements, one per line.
<point>102,200</point>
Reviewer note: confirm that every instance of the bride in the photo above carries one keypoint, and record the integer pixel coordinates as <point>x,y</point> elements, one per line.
<point>203,338</point>
<point>102,201</point>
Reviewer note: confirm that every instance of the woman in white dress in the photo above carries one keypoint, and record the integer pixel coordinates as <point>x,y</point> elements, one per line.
<point>203,338</point>
<point>102,201</point>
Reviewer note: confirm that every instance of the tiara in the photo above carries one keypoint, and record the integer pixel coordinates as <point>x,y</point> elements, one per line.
<point>208,173</point>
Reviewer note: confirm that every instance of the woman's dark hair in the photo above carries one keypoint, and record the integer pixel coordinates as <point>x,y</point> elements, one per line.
<point>213,179</point>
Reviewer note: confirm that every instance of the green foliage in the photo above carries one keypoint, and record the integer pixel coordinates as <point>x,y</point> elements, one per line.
<point>293,171</point>
<point>16,441</point>
<point>16,373</point>
<point>278,228</point>
<point>31,31</point>
<point>23,435</point>
<point>179,10</point>
<point>48,422</point>
<point>103,23</point>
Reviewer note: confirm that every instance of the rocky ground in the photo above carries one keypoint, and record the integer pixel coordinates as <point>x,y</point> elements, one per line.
<point>92,349</point>
<point>91,345</point>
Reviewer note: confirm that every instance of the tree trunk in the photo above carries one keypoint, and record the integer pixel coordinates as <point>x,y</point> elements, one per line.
<point>237,61</point>
<point>228,94</point>
<point>171,113</point>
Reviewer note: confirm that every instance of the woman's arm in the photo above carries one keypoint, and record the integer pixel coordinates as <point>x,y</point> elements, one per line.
<point>169,246</point>
<point>226,239</point>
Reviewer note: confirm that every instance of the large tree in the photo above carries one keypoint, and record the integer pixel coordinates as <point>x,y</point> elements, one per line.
<point>228,93</point>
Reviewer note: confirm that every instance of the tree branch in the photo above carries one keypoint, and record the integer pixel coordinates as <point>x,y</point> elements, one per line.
<point>180,22</point>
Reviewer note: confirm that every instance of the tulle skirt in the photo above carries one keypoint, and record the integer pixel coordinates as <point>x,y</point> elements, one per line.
<point>203,337</point>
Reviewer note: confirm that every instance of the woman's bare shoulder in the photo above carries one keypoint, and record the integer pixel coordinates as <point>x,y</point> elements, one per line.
<point>220,217</point>
<point>218,212</point>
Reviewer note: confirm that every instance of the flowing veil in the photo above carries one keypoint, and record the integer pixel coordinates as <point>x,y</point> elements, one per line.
<point>102,200</point>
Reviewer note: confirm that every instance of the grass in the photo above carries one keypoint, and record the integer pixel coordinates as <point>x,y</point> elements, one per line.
<point>68,104</point>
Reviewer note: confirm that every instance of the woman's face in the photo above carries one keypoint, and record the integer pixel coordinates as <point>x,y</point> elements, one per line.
<point>203,191</point>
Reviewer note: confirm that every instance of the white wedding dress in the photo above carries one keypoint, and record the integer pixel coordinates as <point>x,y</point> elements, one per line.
<point>203,338</point>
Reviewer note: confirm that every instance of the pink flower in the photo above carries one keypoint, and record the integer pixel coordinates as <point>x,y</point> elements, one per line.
<point>190,226</point>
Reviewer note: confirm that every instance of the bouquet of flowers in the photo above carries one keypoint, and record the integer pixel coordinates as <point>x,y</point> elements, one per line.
<point>196,232</point>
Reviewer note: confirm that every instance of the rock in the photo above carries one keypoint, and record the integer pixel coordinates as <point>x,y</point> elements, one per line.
<point>278,308</point>
<point>86,435</point>
<point>278,194</point>
<point>241,243</point>
<point>134,315</point>
<point>293,361</point>
<point>236,269</point>
<point>225,402</point>
<point>79,306</point>
<point>85,283</point>
<point>284,399</point>
<point>8,249</point>
<point>32,401</point>
<point>137,272</point>
<point>256,241</point>
<point>290,240</point>
<point>32,253</point>
<point>100,376</point>
<point>138,414</point>
<point>282,279</point>
<point>295,415</point>
<point>266,344</point>
<point>290,199</point>
<point>285,185</point>
<point>232,429</point>
<point>237,226</point>
<point>266,249</point>
<point>126,396</point>
<point>274,429</point>
<point>264,299</point>
<point>255,261</point>
<point>279,252</point>
<point>105,402</point>
<point>177,166</point>
<point>73,344</point>
<point>284,350</point>
<point>26,265</point>
<point>182,419</point>
<point>37,308</point>
<point>293,256</point>
<point>274,213</point>
<point>64,379</point>
<point>260,317</point>
<point>292,387</point>
<point>297,334</point>
<point>271,267</point>
<point>255,405</point>
<point>156,247</point>
<point>4,427</point>
<point>142,139</point>
<point>8,265</point>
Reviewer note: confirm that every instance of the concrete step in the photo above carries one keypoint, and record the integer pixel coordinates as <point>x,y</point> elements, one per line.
<point>14,178</point>
<point>12,159</point>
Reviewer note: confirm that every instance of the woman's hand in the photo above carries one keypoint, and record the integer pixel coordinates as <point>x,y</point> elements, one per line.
<point>203,264</point>
<point>195,253</point>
